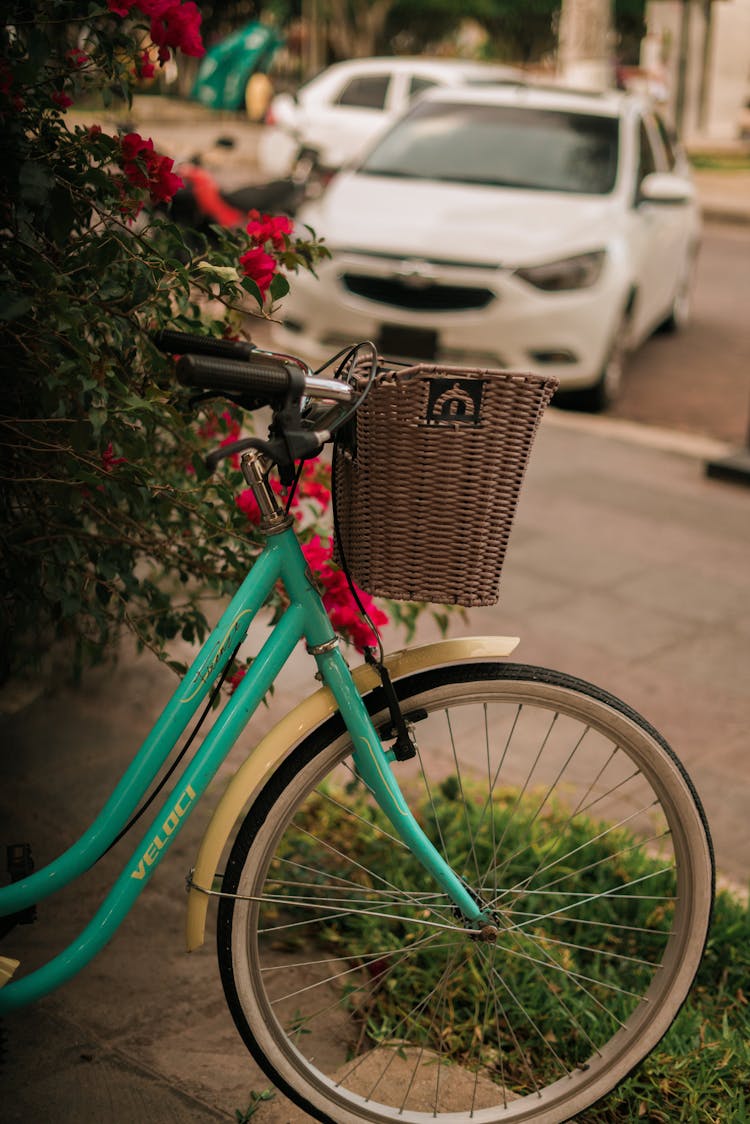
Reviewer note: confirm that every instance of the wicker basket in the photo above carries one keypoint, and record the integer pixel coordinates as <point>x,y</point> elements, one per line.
<point>427,489</point>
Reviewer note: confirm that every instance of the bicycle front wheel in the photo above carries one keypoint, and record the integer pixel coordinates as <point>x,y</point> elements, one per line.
<point>358,986</point>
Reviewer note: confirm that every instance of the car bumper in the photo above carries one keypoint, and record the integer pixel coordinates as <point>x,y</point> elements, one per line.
<point>567,334</point>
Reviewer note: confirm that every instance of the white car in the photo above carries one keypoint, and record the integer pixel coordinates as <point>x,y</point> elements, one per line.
<point>522,227</point>
<point>337,114</point>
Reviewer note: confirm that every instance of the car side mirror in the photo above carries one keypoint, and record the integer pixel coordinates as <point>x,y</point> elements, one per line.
<point>665,187</point>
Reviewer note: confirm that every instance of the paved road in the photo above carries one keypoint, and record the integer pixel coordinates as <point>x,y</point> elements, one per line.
<point>627,566</point>
<point>698,381</point>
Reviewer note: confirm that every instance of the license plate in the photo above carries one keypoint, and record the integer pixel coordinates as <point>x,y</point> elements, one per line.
<point>399,342</point>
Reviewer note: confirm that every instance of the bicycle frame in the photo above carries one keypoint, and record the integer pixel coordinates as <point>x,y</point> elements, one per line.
<point>305,618</point>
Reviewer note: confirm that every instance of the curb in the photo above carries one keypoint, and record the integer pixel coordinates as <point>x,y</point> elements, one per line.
<point>692,445</point>
<point>713,212</point>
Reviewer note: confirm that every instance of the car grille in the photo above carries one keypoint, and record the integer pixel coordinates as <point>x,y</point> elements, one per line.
<point>431,297</point>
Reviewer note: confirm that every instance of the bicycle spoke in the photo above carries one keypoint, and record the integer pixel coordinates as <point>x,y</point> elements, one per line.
<point>359,971</point>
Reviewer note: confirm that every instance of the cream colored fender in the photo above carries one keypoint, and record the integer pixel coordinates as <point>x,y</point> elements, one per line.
<point>293,729</point>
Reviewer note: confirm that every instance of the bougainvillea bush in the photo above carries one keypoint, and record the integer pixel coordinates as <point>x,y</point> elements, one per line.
<point>108,517</point>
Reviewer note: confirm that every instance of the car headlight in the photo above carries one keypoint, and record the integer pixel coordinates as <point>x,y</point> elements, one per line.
<point>579,272</point>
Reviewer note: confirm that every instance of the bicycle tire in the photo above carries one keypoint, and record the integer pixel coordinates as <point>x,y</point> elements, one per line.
<point>600,876</point>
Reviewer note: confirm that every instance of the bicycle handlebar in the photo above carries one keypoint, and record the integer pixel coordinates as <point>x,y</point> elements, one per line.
<point>239,366</point>
<point>185,343</point>
<point>253,378</point>
<point>259,375</point>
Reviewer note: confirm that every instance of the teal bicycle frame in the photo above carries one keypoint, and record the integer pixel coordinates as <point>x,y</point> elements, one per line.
<point>305,618</point>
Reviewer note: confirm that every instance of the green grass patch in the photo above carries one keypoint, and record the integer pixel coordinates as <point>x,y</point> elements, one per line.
<point>700,1072</point>
<point>721,161</point>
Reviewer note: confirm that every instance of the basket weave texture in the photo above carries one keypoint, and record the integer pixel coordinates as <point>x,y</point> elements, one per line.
<point>427,492</point>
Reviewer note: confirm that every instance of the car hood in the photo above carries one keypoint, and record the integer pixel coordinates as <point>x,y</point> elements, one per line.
<point>458,222</point>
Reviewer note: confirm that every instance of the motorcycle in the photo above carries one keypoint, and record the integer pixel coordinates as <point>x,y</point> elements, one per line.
<point>202,203</point>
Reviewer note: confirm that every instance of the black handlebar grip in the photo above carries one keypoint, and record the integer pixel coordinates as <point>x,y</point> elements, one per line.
<point>184,343</point>
<point>259,375</point>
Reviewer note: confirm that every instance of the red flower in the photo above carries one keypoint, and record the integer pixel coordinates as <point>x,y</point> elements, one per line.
<point>248,504</point>
<point>62,99</point>
<point>260,267</point>
<point>109,460</point>
<point>121,7</point>
<point>144,68</point>
<point>268,228</point>
<point>147,169</point>
<point>311,487</point>
<point>76,58</point>
<point>234,681</point>
<point>337,597</point>
<point>163,184</point>
<point>175,25</point>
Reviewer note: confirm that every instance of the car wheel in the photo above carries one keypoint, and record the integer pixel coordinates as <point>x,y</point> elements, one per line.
<point>606,390</point>
<point>679,313</point>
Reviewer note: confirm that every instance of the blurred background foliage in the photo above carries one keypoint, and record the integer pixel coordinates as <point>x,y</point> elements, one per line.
<point>516,31</point>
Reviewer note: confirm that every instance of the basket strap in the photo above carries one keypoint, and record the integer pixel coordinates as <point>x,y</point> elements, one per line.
<point>403,747</point>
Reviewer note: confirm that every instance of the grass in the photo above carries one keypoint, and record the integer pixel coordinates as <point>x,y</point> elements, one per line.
<point>721,161</point>
<point>699,1073</point>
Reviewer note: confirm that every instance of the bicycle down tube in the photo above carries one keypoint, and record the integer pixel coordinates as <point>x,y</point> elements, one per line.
<point>304,618</point>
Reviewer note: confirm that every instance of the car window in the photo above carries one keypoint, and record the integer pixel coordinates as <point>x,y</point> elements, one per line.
<point>545,150</point>
<point>648,155</point>
<point>368,91</point>
<point>419,85</point>
<point>667,143</point>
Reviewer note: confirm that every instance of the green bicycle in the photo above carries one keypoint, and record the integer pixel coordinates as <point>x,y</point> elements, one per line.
<point>457,888</point>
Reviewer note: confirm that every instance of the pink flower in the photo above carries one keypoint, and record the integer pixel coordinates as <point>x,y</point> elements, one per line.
<point>260,267</point>
<point>268,228</point>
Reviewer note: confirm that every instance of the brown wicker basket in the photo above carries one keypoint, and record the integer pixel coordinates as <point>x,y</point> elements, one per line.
<point>427,489</point>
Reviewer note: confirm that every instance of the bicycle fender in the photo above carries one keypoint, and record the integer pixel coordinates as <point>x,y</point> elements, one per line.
<point>292,729</point>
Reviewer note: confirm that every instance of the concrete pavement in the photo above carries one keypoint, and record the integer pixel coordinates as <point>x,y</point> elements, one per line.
<point>627,566</point>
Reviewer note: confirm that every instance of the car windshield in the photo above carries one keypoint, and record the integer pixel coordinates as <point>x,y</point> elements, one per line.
<point>501,145</point>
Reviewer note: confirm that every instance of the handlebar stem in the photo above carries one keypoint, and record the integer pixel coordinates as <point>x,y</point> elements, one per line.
<point>255,467</point>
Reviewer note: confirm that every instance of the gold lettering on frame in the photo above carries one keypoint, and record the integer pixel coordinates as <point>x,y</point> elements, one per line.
<point>151,854</point>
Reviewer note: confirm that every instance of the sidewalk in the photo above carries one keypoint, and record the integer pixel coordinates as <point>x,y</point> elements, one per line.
<point>627,566</point>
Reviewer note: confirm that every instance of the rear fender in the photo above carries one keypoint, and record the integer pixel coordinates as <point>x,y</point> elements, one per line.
<point>284,738</point>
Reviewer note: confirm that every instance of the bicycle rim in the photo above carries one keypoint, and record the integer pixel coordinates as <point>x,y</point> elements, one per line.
<point>358,987</point>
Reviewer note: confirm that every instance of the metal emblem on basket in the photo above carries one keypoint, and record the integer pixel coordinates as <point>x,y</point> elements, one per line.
<point>454,402</point>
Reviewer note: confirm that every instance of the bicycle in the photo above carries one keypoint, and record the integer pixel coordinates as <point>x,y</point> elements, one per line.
<point>490,883</point>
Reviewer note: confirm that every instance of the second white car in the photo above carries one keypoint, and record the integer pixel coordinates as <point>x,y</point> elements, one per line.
<point>513,226</point>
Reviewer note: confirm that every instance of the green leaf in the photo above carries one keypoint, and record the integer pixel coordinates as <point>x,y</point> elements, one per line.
<point>12,307</point>
<point>279,286</point>
<point>250,287</point>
